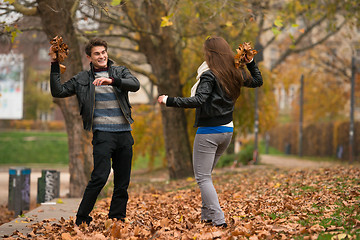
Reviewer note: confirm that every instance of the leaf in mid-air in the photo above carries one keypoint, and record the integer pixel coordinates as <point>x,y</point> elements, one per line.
<point>115,2</point>
<point>166,22</point>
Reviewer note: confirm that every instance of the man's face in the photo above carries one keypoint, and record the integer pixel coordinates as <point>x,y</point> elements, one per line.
<point>99,57</point>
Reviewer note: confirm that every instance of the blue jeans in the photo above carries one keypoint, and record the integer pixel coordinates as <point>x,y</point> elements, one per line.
<point>106,146</point>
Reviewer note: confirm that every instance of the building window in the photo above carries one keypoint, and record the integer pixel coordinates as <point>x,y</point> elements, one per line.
<point>45,86</point>
<point>44,116</point>
<point>282,102</point>
<point>357,52</point>
<point>44,54</point>
<point>292,92</point>
<point>332,54</point>
<point>273,57</point>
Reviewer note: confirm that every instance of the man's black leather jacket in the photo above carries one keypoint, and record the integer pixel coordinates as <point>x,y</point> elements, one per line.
<point>81,86</point>
<point>213,107</point>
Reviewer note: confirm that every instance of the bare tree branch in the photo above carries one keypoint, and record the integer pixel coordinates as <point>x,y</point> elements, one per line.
<point>118,22</point>
<point>74,8</point>
<point>321,40</point>
<point>335,68</point>
<point>97,34</point>
<point>33,28</point>
<point>24,10</point>
<point>123,48</point>
<point>7,12</point>
<point>135,68</point>
<point>330,62</point>
<point>297,42</point>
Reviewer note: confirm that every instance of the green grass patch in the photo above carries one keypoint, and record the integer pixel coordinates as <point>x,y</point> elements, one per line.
<point>277,215</point>
<point>19,148</point>
<point>143,162</point>
<point>27,148</point>
<point>308,188</point>
<point>243,157</point>
<point>268,150</point>
<point>326,236</point>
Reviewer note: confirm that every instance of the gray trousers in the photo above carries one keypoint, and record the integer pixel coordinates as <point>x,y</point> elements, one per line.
<point>207,150</point>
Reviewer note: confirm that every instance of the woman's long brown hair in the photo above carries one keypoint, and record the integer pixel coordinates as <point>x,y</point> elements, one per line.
<point>220,59</point>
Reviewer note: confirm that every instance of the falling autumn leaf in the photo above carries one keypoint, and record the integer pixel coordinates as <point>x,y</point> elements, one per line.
<point>166,22</point>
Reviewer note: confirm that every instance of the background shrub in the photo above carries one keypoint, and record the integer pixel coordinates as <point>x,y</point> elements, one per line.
<point>243,157</point>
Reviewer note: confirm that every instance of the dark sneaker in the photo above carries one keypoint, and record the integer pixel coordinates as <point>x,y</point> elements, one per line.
<point>206,221</point>
<point>223,225</point>
<point>118,219</point>
<point>81,220</point>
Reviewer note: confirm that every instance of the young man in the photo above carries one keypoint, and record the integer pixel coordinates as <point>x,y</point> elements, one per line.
<point>104,105</point>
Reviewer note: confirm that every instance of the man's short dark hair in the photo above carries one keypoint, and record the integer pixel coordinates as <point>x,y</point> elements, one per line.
<point>93,43</point>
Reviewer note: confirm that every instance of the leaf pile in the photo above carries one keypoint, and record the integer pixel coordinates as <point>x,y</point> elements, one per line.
<point>5,214</point>
<point>259,203</point>
<point>244,54</point>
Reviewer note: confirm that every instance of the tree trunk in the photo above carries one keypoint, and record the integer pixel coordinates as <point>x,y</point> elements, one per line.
<point>178,150</point>
<point>57,20</point>
<point>161,52</point>
<point>177,147</point>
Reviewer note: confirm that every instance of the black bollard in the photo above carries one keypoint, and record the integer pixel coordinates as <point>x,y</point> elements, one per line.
<point>19,190</point>
<point>287,148</point>
<point>48,186</point>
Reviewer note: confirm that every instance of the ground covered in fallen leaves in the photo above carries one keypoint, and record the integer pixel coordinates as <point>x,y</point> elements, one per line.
<point>5,214</point>
<point>259,203</point>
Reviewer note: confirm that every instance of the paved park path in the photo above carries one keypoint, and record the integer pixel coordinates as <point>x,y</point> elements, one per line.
<point>293,162</point>
<point>66,207</point>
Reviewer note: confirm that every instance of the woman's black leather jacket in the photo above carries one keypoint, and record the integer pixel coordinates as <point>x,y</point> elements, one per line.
<point>213,107</point>
<point>81,86</point>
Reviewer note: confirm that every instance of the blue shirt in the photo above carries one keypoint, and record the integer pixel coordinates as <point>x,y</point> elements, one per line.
<point>212,130</point>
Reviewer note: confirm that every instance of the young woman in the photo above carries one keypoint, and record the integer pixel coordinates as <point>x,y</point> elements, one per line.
<point>214,96</point>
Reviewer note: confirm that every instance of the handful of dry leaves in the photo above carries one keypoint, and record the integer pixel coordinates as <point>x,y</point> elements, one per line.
<point>244,54</point>
<point>59,51</point>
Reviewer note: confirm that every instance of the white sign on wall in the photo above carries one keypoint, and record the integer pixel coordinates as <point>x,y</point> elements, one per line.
<point>11,86</point>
